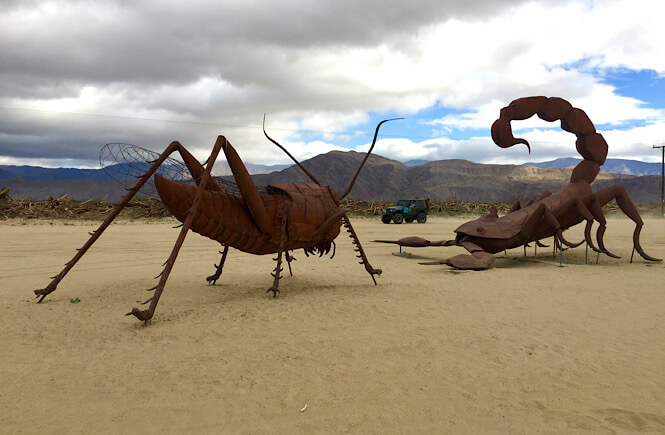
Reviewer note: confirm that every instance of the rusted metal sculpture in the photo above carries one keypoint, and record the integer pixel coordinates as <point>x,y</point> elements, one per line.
<point>550,214</point>
<point>270,220</point>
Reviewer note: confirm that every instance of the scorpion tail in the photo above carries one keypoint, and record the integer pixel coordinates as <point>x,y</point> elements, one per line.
<point>590,144</point>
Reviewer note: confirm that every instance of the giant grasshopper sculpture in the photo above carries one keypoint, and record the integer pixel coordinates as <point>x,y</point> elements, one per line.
<point>271,220</point>
<point>551,213</point>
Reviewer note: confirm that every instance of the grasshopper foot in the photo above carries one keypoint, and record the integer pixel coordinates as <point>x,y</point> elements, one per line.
<point>274,289</point>
<point>373,272</point>
<point>42,293</point>
<point>144,315</point>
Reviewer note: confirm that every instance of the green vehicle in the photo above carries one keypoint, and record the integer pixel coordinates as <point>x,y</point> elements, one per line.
<point>406,210</point>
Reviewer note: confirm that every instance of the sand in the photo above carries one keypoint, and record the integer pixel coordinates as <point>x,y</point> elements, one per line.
<point>527,346</point>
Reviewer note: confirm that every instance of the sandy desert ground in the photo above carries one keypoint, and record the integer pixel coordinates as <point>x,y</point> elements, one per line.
<point>527,346</point>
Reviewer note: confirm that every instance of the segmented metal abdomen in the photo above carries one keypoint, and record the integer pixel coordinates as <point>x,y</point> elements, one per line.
<point>220,216</point>
<point>226,219</point>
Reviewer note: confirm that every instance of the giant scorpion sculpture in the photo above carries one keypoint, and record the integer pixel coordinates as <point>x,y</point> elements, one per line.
<point>274,219</point>
<point>551,213</point>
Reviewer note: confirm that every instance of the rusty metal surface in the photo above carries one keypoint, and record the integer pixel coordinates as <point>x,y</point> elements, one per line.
<point>549,215</point>
<point>267,220</point>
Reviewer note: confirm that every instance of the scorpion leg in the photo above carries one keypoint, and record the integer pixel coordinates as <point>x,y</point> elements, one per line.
<point>212,279</point>
<point>624,202</point>
<point>359,249</point>
<point>146,315</point>
<point>539,244</point>
<point>516,206</point>
<point>554,222</point>
<point>595,206</point>
<point>570,244</point>
<point>584,211</point>
<point>526,245</point>
<point>278,268</point>
<point>190,162</point>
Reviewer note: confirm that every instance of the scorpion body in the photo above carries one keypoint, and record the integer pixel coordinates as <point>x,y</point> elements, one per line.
<point>551,213</point>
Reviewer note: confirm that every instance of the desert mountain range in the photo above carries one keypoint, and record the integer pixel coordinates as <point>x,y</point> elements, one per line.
<point>381,178</point>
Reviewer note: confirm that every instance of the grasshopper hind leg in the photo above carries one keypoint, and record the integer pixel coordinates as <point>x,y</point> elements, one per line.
<point>195,168</point>
<point>146,315</point>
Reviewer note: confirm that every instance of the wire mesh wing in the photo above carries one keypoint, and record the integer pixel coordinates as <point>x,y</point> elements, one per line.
<point>125,163</point>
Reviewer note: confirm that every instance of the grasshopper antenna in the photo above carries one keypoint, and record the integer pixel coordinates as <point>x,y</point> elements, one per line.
<point>288,153</point>
<point>376,133</point>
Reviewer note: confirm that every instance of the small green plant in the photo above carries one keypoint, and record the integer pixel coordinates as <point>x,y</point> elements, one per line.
<point>75,300</point>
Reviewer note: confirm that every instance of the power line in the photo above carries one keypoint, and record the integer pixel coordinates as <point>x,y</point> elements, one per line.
<point>238,126</point>
<point>213,124</point>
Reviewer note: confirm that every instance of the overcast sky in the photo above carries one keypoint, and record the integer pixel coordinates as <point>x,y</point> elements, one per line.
<point>76,75</point>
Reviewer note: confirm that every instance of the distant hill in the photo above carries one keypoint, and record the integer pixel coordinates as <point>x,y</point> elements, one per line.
<point>39,173</point>
<point>619,166</point>
<point>382,178</point>
<point>222,168</point>
<point>5,174</point>
<point>23,188</point>
<point>416,162</point>
<point>640,189</point>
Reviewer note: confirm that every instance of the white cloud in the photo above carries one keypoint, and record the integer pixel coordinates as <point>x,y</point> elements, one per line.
<point>191,73</point>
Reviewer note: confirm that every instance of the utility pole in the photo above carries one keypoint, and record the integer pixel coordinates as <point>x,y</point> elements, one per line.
<point>662,180</point>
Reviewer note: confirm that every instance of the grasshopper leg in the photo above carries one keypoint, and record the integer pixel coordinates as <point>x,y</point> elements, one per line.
<point>146,315</point>
<point>212,279</point>
<point>289,259</point>
<point>276,273</point>
<point>359,249</point>
<point>196,171</point>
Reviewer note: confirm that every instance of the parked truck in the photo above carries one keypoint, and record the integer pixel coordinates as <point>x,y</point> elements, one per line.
<point>406,210</point>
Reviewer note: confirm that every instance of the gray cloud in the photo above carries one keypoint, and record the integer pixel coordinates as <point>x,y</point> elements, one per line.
<point>169,42</point>
<point>224,64</point>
